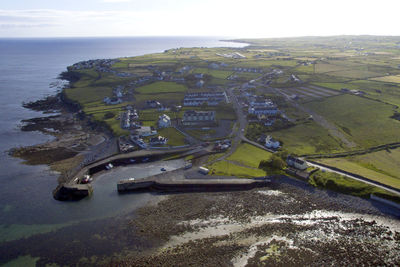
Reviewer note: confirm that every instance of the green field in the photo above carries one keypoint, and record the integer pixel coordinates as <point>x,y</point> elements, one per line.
<point>390,79</point>
<point>225,168</point>
<point>342,184</point>
<point>366,122</point>
<point>175,138</point>
<point>382,166</point>
<point>249,155</point>
<point>161,87</point>
<point>307,138</point>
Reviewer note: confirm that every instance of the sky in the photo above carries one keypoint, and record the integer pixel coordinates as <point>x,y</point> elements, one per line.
<point>239,19</point>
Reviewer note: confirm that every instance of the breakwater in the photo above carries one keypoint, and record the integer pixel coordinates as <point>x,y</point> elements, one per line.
<point>190,185</point>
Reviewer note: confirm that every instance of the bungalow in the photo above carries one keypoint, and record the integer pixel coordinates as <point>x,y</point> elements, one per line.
<point>164,121</point>
<point>145,131</point>
<point>296,163</point>
<point>159,140</point>
<point>271,143</point>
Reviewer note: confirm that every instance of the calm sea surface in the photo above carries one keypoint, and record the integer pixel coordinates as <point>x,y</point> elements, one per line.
<point>27,68</point>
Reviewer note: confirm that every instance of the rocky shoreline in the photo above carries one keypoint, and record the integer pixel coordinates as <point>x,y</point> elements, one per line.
<point>73,134</point>
<point>284,225</point>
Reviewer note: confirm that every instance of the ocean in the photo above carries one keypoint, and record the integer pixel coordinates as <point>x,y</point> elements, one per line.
<point>28,71</point>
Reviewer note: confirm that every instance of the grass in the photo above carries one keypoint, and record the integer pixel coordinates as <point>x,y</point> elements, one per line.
<point>307,138</point>
<point>367,122</point>
<point>175,138</point>
<point>339,183</point>
<point>161,87</point>
<point>382,166</point>
<point>225,168</point>
<point>219,74</point>
<point>176,98</point>
<point>390,79</point>
<point>249,155</point>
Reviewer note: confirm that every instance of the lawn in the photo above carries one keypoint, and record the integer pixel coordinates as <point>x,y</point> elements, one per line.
<point>366,122</point>
<point>225,168</point>
<point>307,138</point>
<point>161,87</point>
<point>249,155</point>
<point>175,98</point>
<point>175,138</point>
<point>382,166</point>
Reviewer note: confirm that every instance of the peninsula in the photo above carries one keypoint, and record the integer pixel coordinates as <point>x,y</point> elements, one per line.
<point>313,112</point>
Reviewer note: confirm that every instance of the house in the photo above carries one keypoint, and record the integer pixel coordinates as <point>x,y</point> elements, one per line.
<point>159,140</point>
<point>153,104</point>
<point>200,83</point>
<point>145,131</point>
<point>194,117</point>
<point>263,110</point>
<point>296,163</point>
<point>164,121</point>
<point>200,98</point>
<point>138,141</point>
<point>112,101</point>
<point>199,75</point>
<point>271,143</point>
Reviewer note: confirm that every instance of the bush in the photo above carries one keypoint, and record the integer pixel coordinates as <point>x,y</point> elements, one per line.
<point>108,115</point>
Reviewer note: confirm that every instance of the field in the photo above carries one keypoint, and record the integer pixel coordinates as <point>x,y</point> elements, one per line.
<point>161,87</point>
<point>390,79</point>
<point>310,92</point>
<point>366,122</point>
<point>249,155</point>
<point>175,138</point>
<point>225,168</point>
<point>346,185</point>
<point>307,138</point>
<point>382,166</point>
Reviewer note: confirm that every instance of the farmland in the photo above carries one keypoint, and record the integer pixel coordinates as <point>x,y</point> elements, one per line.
<point>382,166</point>
<point>366,122</point>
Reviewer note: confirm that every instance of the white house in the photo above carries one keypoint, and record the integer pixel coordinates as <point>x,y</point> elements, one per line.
<point>296,163</point>
<point>271,142</point>
<point>158,140</point>
<point>164,121</point>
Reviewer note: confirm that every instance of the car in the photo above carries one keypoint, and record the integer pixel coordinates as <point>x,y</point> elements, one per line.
<point>163,169</point>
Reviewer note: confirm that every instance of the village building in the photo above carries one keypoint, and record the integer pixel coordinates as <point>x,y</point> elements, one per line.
<point>158,140</point>
<point>271,143</point>
<point>145,131</point>
<point>112,101</point>
<point>164,121</point>
<point>153,104</point>
<point>194,117</point>
<point>209,98</point>
<point>138,141</point>
<point>296,163</point>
